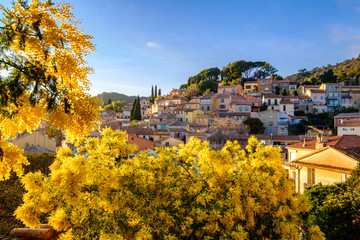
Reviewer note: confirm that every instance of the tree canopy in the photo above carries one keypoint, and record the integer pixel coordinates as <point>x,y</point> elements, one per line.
<point>206,74</point>
<point>42,52</point>
<point>191,192</point>
<point>247,70</point>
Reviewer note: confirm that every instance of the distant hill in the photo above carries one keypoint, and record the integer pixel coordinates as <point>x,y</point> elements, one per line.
<point>347,71</point>
<point>114,96</point>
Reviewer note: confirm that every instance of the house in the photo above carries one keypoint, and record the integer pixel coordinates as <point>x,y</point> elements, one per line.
<point>232,89</point>
<point>333,94</point>
<point>37,138</point>
<point>206,120</point>
<point>207,102</point>
<point>346,127</point>
<point>160,133</point>
<point>218,140</point>
<point>275,122</point>
<point>190,115</point>
<point>126,110</point>
<point>287,107</point>
<point>271,100</point>
<point>168,142</point>
<point>194,103</point>
<point>339,118</point>
<point>141,143</point>
<point>280,85</point>
<point>302,89</point>
<point>251,86</point>
<point>240,106</point>
<point>222,102</point>
<point>305,104</point>
<point>318,97</point>
<point>326,160</point>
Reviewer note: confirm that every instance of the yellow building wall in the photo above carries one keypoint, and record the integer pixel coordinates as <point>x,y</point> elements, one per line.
<point>324,177</point>
<point>35,139</point>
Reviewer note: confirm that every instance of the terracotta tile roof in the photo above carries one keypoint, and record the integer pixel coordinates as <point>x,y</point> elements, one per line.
<point>286,102</point>
<point>286,137</point>
<point>304,97</point>
<point>270,95</point>
<point>223,95</point>
<point>353,152</point>
<point>327,158</point>
<point>345,115</point>
<point>167,138</point>
<point>208,96</point>
<point>336,141</point>
<point>137,131</point>
<point>317,91</point>
<point>350,123</point>
<point>241,103</point>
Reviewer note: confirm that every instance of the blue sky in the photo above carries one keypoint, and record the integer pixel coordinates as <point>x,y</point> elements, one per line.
<point>142,43</point>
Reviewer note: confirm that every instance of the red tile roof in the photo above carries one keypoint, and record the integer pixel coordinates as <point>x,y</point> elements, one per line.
<point>337,141</point>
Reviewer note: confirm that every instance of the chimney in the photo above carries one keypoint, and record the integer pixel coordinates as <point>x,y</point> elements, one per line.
<point>324,139</point>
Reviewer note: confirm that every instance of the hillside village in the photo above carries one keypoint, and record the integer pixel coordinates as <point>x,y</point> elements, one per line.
<point>222,116</point>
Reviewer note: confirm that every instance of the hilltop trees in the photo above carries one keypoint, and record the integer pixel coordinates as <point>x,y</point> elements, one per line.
<point>43,51</point>
<point>206,74</point>
<point>188,193</point>
<point>243,70</point>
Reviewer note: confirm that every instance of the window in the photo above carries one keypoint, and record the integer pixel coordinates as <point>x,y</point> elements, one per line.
<point>270,123</point>
<point>222,100</point>
<point>240,109</point>
<point>344,129</point>
<point>222,106</point>
<point>314,97</point>
<point>267,81</point>
<point>167,144</point>
<point>284,108</point>
<point>343,178</point>
<point>282,130</point>
<point>187,113</point>
<point>269,101</point>
<point>246,109</point>
<point>310,176</point>
<point>352,129</point>
<point>321,97</point>
<point>275,101</point>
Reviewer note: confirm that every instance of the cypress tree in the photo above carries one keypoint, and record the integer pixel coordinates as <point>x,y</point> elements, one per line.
<point>109,101</point>
<point>137,111</point>
<point>132,111</point>
<point>155,92</point>
<point>152,94</point>
<point>159,92</point>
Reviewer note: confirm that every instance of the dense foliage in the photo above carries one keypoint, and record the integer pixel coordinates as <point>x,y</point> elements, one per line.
<point>255,125</point>
<point>191,192</point>
<point>346,70</point>
<point>335,208</point>
<point>11,191</point>
<point>206,74</point>
<point>42,51</point>
<point>114,96</point>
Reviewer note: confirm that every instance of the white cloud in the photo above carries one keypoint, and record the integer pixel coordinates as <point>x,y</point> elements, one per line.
<point>152,45</point>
